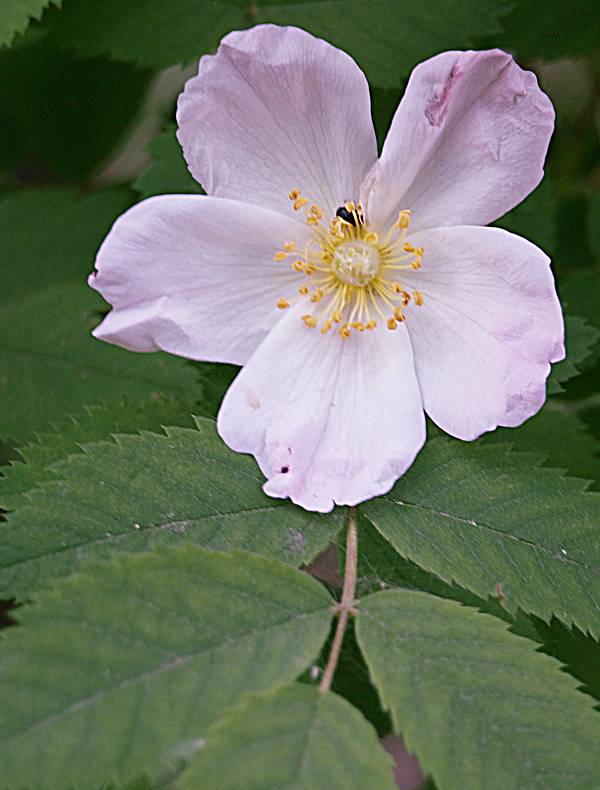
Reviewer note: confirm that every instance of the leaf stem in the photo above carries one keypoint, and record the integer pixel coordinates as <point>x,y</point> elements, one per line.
<point>346,605</point>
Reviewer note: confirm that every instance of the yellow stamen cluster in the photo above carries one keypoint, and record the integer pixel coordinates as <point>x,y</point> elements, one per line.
<point>354,272</point>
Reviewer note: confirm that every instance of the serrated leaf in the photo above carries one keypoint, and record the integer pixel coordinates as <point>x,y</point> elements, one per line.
<point>120,670</point>
<point>498,524</point>
<point>292,738</point>
<point>582,343</point>
<point>153,33</point>
<point>562,438</point>
<point>550,29</point>
<point>51,236</point>
<point>167,172</point>
<point>185,487</point>
<point>15,16</point>
<point>62,115</point>
<point>91,425</point>
<point>388,41</point>
<point>51,365</point>
<point>507,714</point>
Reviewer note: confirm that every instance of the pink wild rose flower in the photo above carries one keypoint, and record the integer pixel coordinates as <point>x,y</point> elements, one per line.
<point>358,293</point>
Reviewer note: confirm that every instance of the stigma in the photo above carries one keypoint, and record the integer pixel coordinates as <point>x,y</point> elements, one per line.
<point>355,276</point>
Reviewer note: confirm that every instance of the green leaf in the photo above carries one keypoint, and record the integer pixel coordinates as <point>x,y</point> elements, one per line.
<point>291,738</point>
<point>581,292</point>
<point>153,33</point>
<point>550,29</point>
<point>120,670</point>
<point>506,715</point>
<point>562,438</point>
<point>577,651</point>
<point>582,344</point>
<point>62,115</point>
<point>168,172</point>
<point>141,491</point>
<point>534,218</point>
<point>498,524</point>
<point>48,237</point>
<point>386,40</point>
<point>15,16</point>
<point>91,425</point>
<point>594,227</point>
<point>51,365</point>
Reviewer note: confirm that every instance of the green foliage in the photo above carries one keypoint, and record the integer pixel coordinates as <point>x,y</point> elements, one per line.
<point>550,29</point>
<point>498,524</point>
<point>91,425</point>
<point>534,218</point>
<point>46,347</point>
<point>582,341</point>
<point>167,173</point>
<point>152,33</point>
<point>387,40</point>
<point>509,716</point>
<point>562,438</point>
<point>49,362</point>
<point>150,490</point>
<point>120,670</point>
<point>15,15</point>
<point>50,236</point>
<point>291,738</point>
<point>61,115</point>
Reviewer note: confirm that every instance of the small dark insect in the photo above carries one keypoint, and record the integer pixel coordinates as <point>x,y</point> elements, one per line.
<point>346,215</point>
<point>285,470</point>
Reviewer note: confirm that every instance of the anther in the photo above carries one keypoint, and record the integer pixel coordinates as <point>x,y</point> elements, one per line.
<point>280,256</point>
<point>294,194</point>
<point>344,331</point>
<point>303,290</point>
<point>404,219</point>
<point>326,327</point>
<point>418,297</point>
<point>371,238</point>
<point>283,303</point>
<point>317,296</point>
<point>289,246</point>
<point>371,325</point>
<point>336,316</point>
<point>299,266</point>
<point>398,315</point>
<point>299,202</point>
<point>408,247</point>
<point>416,264</point>
<point>310,321</point>
<point>392,323</point>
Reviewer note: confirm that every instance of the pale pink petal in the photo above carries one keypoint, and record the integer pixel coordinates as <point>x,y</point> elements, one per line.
<point>329,420</point>
<point>467,142</point>
<point>274,110</point>
<point>195,276</point>
<point>489,328</point>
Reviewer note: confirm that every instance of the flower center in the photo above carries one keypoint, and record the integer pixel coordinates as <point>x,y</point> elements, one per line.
<point>355,263</point>
<point>353,273</point>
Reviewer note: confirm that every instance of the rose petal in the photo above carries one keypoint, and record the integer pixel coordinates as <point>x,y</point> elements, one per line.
<point>467,142</point>
<point>328,420</point>
<point>489,327</point>
<point>195,276</point>
<point>274,110</point>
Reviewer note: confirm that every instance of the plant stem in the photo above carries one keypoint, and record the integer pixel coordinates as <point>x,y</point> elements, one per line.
<point>346,605</point>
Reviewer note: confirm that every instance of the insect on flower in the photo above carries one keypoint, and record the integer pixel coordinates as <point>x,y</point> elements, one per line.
<point>358,292</point>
